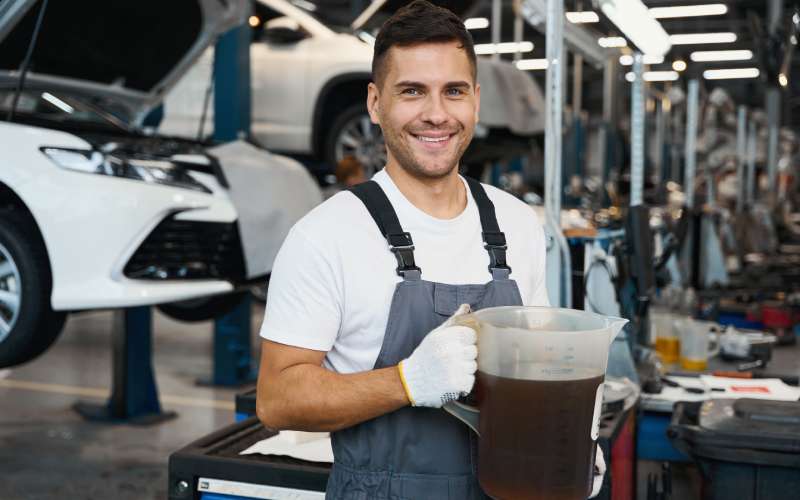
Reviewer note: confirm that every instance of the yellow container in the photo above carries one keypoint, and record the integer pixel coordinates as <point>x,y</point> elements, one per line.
<point>668,349</point>
<point>696,365</point>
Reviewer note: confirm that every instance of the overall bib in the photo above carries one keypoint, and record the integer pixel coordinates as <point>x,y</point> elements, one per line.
<point>418,453</point>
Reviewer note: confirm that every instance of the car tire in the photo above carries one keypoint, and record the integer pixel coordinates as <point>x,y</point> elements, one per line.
<point>30,325</point>
<point>202,309</point>
<point>365,140</point>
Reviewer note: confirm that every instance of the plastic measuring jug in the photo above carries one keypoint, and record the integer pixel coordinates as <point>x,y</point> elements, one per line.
<point>537,399</point>
<point>699,341</point>
<point>667,342</point>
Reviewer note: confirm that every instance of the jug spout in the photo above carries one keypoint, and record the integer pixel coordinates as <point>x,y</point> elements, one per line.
<point>615,325</point>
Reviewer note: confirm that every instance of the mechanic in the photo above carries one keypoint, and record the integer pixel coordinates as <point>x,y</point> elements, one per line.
<point>355,341</point>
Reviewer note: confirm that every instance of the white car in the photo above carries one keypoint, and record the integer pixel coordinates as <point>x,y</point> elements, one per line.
<point>96,214</point>
<point>309,84</point>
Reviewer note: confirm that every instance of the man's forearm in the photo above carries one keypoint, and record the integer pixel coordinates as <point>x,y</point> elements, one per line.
<point>311,398</point>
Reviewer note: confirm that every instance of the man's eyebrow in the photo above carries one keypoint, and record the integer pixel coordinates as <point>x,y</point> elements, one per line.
<point>458,84</point>
<point>409,83</point>
<point>449,85</point>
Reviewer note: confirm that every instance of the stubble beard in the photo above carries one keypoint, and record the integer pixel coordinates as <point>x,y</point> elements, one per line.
<point>405,158</point>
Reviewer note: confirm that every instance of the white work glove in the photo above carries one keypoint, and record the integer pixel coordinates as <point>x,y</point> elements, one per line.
<point>599,472</point>
<point>442,367</point>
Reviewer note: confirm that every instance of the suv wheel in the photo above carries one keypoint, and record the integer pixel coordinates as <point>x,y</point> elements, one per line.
<point>28,326</point>
<point>353,134</point>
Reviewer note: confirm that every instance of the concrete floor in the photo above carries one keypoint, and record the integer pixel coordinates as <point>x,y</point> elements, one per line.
<point>47,451</point>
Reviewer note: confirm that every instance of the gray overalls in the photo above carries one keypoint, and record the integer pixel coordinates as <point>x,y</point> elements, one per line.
<point>418,453</point>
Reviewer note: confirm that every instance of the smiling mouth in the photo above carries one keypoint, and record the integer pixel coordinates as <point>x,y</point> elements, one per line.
<point>432,140</point>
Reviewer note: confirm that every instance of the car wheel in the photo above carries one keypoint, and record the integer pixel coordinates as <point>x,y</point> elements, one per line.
<point>202,309</point>
<point>28,326</point>
<point>353,134</point>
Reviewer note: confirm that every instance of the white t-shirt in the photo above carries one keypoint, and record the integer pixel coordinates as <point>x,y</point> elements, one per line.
<point>333,279</point>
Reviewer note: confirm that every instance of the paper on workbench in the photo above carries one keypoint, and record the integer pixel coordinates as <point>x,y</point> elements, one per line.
<point>759,388</point>
<point>311,446</point>
<point>663,401</point>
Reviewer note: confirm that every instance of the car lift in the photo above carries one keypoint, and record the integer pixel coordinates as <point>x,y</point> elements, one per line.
<point>134,394</point>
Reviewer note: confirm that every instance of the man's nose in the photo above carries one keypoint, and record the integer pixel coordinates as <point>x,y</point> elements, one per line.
<point>435,111</point>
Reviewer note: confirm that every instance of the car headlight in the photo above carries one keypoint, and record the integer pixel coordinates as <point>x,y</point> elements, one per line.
<point>153,171</point>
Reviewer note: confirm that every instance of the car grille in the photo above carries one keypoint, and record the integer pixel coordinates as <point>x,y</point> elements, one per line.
<point>189,250</point>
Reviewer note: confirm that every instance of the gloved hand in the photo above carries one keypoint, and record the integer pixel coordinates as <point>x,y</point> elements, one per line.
<point>442,367</point>
<point>599,472</point>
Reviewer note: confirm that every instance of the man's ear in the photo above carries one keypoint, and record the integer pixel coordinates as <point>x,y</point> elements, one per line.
<point>477,100</point>
<point>372,103</point>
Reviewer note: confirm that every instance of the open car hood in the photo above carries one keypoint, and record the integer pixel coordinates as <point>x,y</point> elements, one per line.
<point>123,55</point>
<point>380,10</point>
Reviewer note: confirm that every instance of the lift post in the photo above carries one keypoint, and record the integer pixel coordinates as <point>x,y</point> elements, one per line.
<point>134,394</point>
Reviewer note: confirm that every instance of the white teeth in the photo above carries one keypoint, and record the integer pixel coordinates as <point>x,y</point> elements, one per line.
<point>433,139</point>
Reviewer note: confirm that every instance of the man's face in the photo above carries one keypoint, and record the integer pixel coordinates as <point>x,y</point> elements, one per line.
<point>427,107</point>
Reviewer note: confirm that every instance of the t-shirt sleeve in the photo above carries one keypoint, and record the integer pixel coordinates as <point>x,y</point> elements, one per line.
<point>538,290</point>
<point>303,299</point>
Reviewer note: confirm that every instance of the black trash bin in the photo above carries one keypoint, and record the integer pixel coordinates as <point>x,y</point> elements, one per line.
<point>746,449</point>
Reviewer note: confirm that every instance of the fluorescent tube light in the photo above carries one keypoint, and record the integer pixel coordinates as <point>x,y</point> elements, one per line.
<point>654,76</point>
<point>612,41</point>
<point>476,23</point>
<point>627,60</point>
<point>711,9</point>
<point>721,55</point>
<point>725,74</point>
<point>584,17</point>
<point>635,22</point>
<point>701,38</point>
<point>55,101</point>
<point>483,49</point>
<point>532,64</point>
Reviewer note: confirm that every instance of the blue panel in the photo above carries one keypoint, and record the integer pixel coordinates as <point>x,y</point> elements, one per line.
<point>652,442</point>
<point>242,416</point>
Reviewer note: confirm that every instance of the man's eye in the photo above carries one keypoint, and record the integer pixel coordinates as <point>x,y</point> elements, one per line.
<point>455,92</point>
<point>412,92</point>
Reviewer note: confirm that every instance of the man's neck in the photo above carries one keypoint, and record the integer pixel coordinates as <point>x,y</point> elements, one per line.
<point>443,198</point>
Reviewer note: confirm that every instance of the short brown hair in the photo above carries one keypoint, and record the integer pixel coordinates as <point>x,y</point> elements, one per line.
<point>416,23</point>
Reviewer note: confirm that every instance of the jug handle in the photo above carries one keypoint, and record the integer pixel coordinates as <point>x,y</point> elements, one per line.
<point>464,412</point>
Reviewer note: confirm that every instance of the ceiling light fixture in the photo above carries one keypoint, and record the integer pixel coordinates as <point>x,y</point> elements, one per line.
<point>635,22</point>
<point>612,42</point>
<point>654,76</point>
<point>476,23</point>
<point>726,74</point>
<point>783,80</point>
<point>701,38</point>
<point>253,21</point>
<point>627,60</point>
<point>532,64</point>
<point>679,65</point>
<point>721,55</point>
<point>584,17</point>
<point>483,49</point>
<point>711,9</point>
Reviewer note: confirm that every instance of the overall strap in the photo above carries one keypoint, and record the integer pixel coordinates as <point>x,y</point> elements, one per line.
<point>494,240</point>
<point>400,242</point>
